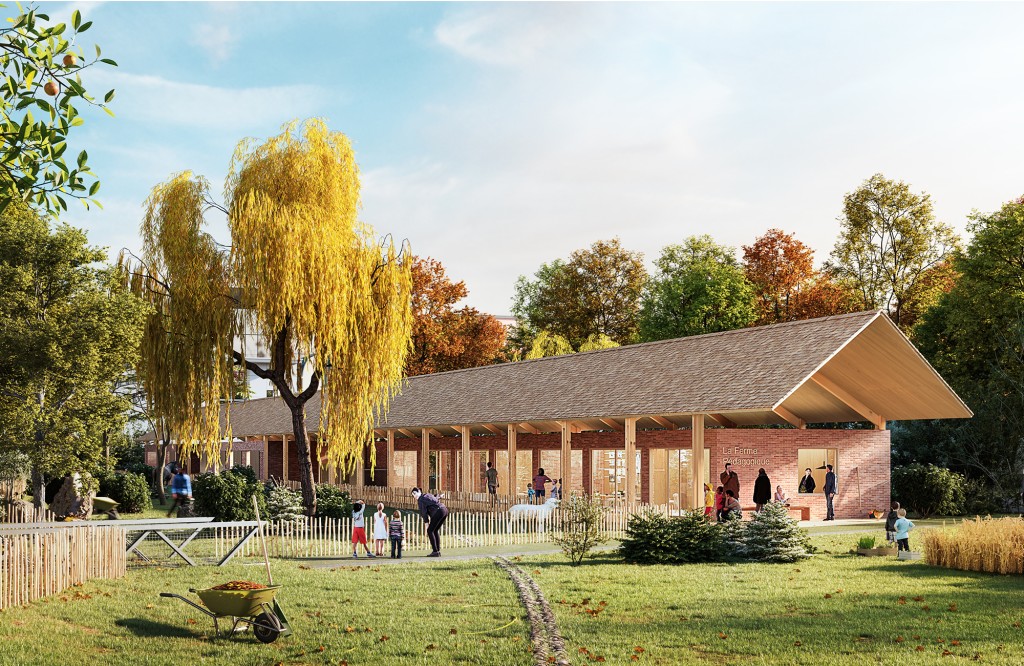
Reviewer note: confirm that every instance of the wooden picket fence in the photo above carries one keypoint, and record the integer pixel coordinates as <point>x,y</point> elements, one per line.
<point>401,498</point>
<point>38,563</point>
<point>21,512</point>
<point>330,537</point>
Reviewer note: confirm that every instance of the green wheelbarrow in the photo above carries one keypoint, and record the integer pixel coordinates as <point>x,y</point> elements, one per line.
<point>243,608</point>
<point>107,506</point>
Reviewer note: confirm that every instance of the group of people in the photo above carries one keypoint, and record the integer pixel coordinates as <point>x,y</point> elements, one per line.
<point>536,492</point>
<point>391,528</point>
<point>724,502</point>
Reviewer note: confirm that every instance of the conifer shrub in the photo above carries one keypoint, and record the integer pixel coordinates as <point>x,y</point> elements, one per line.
<point>284,504</point>
<point>772,536</point>
<point>654,538</point>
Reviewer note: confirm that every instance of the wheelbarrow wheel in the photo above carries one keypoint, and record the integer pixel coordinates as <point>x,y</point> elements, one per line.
<point>266,627</point>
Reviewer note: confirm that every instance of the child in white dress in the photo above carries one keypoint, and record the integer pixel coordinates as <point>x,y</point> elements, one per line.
<point>380,530</point>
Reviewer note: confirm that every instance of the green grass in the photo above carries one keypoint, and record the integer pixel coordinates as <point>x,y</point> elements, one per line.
<point>835,608</point>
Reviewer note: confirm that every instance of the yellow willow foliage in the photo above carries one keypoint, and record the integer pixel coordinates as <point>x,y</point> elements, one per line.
<point>185,366</point>
<point>302,260</point>
<point>994,545</point>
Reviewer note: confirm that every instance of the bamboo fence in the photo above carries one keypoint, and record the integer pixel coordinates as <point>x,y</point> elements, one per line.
<point>44,562</point>
<point>21,512</point>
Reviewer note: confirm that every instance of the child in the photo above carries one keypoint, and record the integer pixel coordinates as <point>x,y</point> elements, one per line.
<point>709,501</point>
<point>396,530</point>
<point>359,528</point>
<point>719,502</point>
<point>380,530</point>
<point>902,528</point>
<point>531,494</point>
<point>890,522</point>
<point>732,509</point>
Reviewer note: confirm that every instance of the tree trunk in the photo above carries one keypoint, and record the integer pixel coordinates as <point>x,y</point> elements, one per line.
<point>38,488</point>
<point>304,458</point>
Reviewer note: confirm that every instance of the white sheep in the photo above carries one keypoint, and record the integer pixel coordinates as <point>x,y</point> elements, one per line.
<point>532,512</point>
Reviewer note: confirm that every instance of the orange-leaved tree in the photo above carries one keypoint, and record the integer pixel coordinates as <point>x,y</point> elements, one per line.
<point>445,338</point>
<point>301,271</point>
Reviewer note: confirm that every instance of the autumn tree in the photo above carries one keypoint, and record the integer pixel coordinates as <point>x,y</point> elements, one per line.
<point>551,344</point>
<point>42,63</point>
<point>889,242</point>
<point>69,332</point>
<point>443,337</point>
<point>596,291</point>
<point>786,285</point>
<point>699,288</point>
<point>301,271</point>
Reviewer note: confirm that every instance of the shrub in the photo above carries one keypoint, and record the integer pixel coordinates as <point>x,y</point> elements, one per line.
<point>227,496</point>
<point>983,544</point>
<point>928,490</point>
<point>283,505</point>
<point>866,542</point>
<point>653,538</point>
<point>772,536</point>
<point>130,490</point>
<point>581,526</point>
<point>332,502</point>
<point>981,499</point>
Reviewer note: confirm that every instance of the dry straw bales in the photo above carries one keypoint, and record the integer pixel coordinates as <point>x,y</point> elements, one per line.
<point>994,545</point>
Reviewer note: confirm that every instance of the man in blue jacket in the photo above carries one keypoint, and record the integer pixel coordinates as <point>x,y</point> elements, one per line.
<point>830,492</point>
<point>181,489</point>
<point>434,513</point>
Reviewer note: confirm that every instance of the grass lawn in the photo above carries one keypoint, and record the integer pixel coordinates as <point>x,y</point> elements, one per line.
<point>835,608</point>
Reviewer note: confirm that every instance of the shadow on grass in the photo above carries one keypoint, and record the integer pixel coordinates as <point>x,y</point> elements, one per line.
<point>149,629</point>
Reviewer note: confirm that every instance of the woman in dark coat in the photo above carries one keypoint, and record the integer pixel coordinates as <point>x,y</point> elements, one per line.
<point>434,513</point>
<point>762,489</point>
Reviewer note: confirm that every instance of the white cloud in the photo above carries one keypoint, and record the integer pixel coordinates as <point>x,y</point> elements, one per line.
<point>218,41</point>
<point>152,99</point>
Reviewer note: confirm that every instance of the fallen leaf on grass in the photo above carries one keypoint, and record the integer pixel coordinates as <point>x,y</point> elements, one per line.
<point>634,658</point>
<point>384,637</point>
<point>920,648</point>
<point>191,621</point>
<point>723,635</point>
<point>638,650</point>
<point>797,643</point>
<point>954,642</point>
<point>952,607</point>
<point>149,605</point>
<point>902,601</point>
<point>916,637</point>
<point>584,650</point>
<point>919,598</point>
<point>349,629</point>
<point>431,646</point>
<point>900,639</point>
<point>925,608</point>
<point>475,575</point>
<point>828,596</point>
<point>536,571</point>
<point>946,653</point>
<point>453,631</point>
<point>1017,624</point>
<point>321,648</point>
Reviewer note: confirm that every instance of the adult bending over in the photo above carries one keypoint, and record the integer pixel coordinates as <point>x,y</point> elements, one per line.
<point>434,512</point>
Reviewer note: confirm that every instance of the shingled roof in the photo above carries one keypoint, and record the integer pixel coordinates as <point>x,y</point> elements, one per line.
<point>851,367</point>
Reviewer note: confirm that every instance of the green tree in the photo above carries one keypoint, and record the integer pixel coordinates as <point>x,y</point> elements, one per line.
<point>889,245</point>
<point>974,337</point>
<point>42,64</point>
<point>549,344</point>
<point>68,332</point>
<point>699,288</point>
<point>597,291</point>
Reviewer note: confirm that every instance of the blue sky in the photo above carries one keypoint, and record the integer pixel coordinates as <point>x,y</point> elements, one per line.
<point>498,136</point>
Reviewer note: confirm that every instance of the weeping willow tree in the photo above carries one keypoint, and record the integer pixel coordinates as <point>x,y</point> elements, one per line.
<point>302,272</point>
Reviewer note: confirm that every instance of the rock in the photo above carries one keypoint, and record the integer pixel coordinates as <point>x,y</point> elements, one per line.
<point>72,500</point>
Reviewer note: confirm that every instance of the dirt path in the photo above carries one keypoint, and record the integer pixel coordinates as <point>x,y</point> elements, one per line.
<point>546,639</point>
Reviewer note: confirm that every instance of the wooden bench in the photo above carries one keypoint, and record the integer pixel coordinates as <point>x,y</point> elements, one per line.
<point>805,511</point>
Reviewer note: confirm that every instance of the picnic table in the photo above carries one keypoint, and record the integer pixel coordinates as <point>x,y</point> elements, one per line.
<point>138,530</point>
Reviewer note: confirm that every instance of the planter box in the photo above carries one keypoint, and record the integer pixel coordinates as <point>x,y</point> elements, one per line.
<point>876,552</point>
<point>909,555</point>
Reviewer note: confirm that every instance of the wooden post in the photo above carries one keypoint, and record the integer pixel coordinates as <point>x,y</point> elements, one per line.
<point>630,463</point>
<point>510,482</point>
<point>697,459</point>
<point>389,464</point>
<point>284,458</point>
<point>265,460</point>
<point>467,467</point>
<point>566,471</point>
<point>425,460</point>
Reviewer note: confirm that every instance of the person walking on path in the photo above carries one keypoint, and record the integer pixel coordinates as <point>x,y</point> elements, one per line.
<point>902,527</point>
<point>434,513</point>
<point>762,489</point>
<point>380,530</point>
<point>807,483</point>
<point>730,480</point>
<point>539,484</point>
<point>492,482</point>
<point>181,490</point>
<point>359,528</point>
<point>396,531</point>
<point>830,492</point>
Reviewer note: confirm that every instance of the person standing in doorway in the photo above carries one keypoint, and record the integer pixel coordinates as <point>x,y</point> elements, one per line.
<point>730,481</point>
<point>762,489</point>
<point>830,492</point>
<point>540,481</point>
<point>807,483</point>
<point>492,482</point>
<point>434,513</point>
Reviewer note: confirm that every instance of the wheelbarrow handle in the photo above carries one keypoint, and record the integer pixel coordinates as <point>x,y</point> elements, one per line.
<point>168,594</point>
<point>189,602</point>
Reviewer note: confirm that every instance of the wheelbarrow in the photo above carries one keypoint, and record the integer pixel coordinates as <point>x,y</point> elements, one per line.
<point>107,506</point>
<point>243,608</point>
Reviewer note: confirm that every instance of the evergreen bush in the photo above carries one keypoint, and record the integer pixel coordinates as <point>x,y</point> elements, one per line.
<point>129,490</point>
<point>653,538</point>
<point>772,536</point>
<point>332,502</point>
<point>283,504</point>
<point>227,496</point>
<point>928,490</point>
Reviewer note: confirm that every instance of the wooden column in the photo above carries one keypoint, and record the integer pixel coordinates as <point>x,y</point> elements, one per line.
<point>466,480</point>
<point>265,460</point>
<point>425,460</point>
<point>510,483</point>
<point>697,459</point>
<point>389,464</point>
<point>284,458</point>
<point>630,461</point>
<point>566,456</point>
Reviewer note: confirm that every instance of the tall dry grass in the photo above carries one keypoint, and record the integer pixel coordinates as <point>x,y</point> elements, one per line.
<point>993,545</point>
